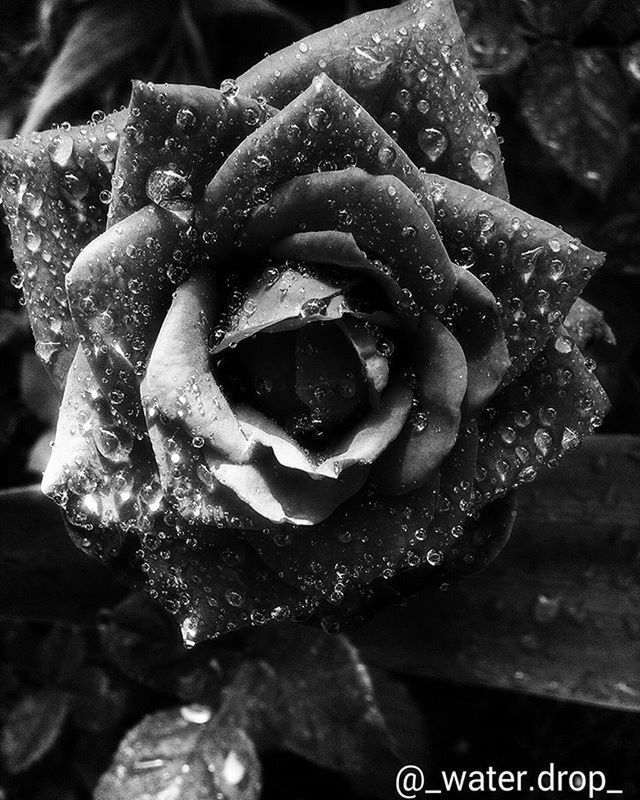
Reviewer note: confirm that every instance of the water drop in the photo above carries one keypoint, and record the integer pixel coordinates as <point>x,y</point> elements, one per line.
<point>432,142</point>
<point>482,163</point>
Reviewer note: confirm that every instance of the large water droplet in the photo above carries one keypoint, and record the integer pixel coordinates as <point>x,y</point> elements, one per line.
<point>432,142</point>
<point>61,150</point>
<point>482,163</point>
<point>169,189</point>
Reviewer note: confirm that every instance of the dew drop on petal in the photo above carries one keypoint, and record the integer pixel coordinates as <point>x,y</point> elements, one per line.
<point>432,142</point>
<point>386,156</point>
<point>229,88</point>
<point>319,119</point>
<point>185,119</point>
<point>165,188</point>
<point>61,150</point>
<point>483,164</point>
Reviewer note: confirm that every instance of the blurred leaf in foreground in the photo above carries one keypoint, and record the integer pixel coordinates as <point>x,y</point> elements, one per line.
<point>33,727</point>
<point>183,754</point>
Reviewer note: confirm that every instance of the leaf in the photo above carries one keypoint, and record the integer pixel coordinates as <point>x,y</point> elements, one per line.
<point>183,754</point>
<point>97,704</point>
<point>144,642</point>
<point>32,728</point>
<point>575,104</point>
<point>325,709</point>
<point>557,614</point>
<point>265,8</point>
<point>61,656</point>
<point>103,36</point>
<point>621,19</point>
<point>493,39</point>
<point>559,18</point>
<point>630,62</point>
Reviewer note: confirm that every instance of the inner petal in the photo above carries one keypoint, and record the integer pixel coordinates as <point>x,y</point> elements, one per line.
<point>309,380</point>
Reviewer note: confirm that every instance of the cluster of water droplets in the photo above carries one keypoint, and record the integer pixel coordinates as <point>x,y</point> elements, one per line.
<point>54,189</point>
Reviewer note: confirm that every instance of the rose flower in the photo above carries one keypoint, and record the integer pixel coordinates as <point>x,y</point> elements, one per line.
<point>303,338</point>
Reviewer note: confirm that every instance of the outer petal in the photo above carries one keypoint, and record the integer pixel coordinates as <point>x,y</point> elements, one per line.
<point>429,435</point>
<point>102,477</point>
<point>186,131</point>
<point>474,319</point>
<point>534,271</point>
<point>51,189</point>
<point>215,583</point>
<point>368,537</point>
<point>409,67</point>
<point>541,415</point>
<point>322,129</point>
<point>119,289</point>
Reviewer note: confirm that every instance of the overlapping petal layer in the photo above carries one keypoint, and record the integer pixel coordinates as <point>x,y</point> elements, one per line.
<point>409,67</point>
<point>55,189</point>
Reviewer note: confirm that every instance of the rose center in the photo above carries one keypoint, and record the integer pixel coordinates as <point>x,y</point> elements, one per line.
<point>309,380</point>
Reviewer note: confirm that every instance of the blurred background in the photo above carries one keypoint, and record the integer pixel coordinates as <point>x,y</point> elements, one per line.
<point>563,78</point>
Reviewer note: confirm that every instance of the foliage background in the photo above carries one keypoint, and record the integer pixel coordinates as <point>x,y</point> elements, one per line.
<point>564,78</point>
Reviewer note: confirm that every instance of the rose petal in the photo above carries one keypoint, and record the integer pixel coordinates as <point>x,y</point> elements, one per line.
<point>282,300</point>
<point>321,129</point>
<point>285,495</point>
<point>361,446</point>
<point>51,194</point>
<point>374,364</point>
<point>215,583</point>
<point>409,67</point>
<point>368,537</point>
<point>119,289</point>
<point>179,385</point>
<point>586,325</point>
<point>96,471</point>
<point>381,214</point>
<point>534,271</point>
<point>536,419</point>
<point>181,131</point>
<point>474,319</point>
<point>188,484</point>
<point>454,503</point>
<point>416,454</point>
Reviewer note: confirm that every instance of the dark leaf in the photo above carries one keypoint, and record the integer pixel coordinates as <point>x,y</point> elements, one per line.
<point>264,8</point>
<point>559,18</point>
<point>97,704</point>
<point>575,104</point>
<point>32,728</point>
<point>103,35</point>
<point>493,38</point>
<point>183,754</point>
<point>61,656</point>
<point>621,18</point>
<point>630,62</point>
<point>326,708</point>
<point>557,614</point>
<point>144,642</point>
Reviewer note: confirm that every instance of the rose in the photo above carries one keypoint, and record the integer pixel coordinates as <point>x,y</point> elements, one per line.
<point>296,365</point>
